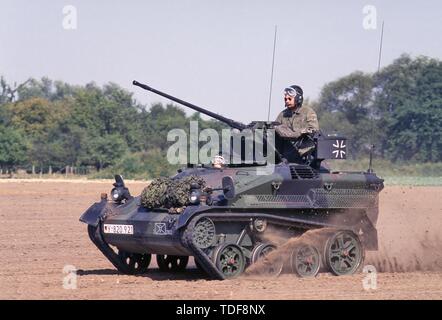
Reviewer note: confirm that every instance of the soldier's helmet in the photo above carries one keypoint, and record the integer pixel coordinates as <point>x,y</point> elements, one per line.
<point>296,92</point>
<point>218,161</point>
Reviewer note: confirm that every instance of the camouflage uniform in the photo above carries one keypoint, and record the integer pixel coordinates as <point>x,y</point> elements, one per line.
<point>295,123</point>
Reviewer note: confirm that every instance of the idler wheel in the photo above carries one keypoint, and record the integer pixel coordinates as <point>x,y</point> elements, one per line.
<point>204,233</point>
<point>344,253</point>
<point>136,263</point>
<point>168,263</point>
<point>230,260</point>
<point>305,261</point>
<point>270,267</point>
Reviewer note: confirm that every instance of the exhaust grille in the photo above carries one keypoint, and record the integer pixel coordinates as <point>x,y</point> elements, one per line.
<point>303,172</point>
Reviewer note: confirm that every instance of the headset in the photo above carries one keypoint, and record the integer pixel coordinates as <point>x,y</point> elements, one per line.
<point>299,95</point>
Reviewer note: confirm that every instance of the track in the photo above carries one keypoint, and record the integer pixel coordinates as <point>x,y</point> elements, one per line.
<point>40,235</point>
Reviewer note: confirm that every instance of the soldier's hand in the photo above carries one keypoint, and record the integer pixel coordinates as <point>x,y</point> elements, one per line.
<point>306,130</point>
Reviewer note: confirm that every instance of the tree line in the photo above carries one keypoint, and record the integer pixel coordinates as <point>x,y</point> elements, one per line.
<point>52,123</point>
<point>398,109</point>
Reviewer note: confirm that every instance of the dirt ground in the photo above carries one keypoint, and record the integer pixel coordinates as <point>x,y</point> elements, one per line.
<point>41,238</point>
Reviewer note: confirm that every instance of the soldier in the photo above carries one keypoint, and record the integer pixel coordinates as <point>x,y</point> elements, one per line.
<point>296,120</point>
<point>218,162</point>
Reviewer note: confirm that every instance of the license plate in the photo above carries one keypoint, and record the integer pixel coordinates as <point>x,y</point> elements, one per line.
<point>119,228</point>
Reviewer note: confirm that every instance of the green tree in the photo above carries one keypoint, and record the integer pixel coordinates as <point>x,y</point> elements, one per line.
<point>13,147</point>
<point>398,109</point>
<point>346,106</point>
<point>409,102</point>
<point>36,116</point>
<point>36,89</point>
<point>351,95</point>
<point>158,121</point>
<point>106,150</point>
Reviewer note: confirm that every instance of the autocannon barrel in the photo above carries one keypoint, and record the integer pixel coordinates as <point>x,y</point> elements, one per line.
<point>229,122</point>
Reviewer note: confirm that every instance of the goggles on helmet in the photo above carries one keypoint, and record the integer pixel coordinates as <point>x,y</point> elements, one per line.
<point>219,160</point>
<point>290,91</point>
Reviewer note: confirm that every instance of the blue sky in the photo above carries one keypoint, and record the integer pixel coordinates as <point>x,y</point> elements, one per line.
<point>216,54</point>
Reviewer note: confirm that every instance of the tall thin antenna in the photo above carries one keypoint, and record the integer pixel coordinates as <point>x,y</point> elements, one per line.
<point>370,164</point>
<point>380,46</point>
<point>271,77</point>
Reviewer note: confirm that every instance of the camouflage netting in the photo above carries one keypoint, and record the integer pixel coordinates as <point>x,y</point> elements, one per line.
<point>169,193</point>
<point>154,195</point>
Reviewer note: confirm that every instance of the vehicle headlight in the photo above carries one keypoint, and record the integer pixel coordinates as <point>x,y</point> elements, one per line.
<point>194,197</point>
<point>120,193</point>
<point>117,194</point>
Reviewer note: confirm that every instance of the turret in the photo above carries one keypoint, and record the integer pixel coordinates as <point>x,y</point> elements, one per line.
<point>325,146</point>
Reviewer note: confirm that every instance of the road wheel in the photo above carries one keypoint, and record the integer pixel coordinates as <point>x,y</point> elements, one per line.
<point>272,267</point>
<point>305,261</point>
<point>135,263</point>
<point>230,260</point>
<point>344,253</point>
<point>168,263</point>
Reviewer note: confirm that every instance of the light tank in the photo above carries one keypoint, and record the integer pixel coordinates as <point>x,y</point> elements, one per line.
<point>236,216</point>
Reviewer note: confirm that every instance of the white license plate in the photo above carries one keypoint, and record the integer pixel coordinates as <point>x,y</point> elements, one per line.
<point>118,228</point>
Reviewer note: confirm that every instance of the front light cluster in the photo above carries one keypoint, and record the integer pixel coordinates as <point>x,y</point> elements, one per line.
<point>117,194</point>
<point>194,197</point>
<point>120,193</point>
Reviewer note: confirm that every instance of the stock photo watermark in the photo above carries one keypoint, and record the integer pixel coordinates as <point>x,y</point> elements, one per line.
<point>370,281</point>
<point>70,279</point>
<point>369,21</point>
<point>70,19</point>
<point>235,147</point>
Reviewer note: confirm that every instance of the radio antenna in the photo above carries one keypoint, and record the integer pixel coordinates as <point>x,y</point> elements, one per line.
<point>380,47</point>
<point>370,164</point>
<point>271,76</point>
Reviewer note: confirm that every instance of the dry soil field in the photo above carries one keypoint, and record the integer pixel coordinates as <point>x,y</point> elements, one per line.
<point>40,234</point>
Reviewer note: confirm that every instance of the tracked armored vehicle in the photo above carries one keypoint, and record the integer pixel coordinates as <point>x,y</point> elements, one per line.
<point>241,216</point>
